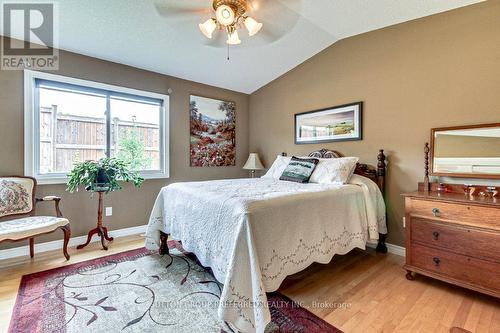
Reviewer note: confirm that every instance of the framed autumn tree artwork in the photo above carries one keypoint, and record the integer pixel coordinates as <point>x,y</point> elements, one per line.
<point>213,132</point>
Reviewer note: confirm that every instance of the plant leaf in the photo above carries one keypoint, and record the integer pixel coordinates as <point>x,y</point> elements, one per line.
<point>91,320</point>
<point>101,300</point>
<point>108,308</point>
<point>135,321</point>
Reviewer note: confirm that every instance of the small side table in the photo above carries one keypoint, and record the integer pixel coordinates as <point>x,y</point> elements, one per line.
<point>99,229</point>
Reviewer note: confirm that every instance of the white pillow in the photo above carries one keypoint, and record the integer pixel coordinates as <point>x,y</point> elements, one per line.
<point>334,170</point>
<point>278,167</point>
<point>327,171</point>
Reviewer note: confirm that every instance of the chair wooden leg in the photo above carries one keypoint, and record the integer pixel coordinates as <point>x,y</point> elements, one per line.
<point>32,247</point>
<point>67,234</point>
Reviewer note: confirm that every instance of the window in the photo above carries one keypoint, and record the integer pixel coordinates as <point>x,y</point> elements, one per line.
<point>70,120</point>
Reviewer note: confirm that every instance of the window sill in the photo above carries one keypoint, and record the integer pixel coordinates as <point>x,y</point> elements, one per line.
<point>63,180</point>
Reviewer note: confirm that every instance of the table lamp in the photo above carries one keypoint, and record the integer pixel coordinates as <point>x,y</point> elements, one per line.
<point>253,163</point>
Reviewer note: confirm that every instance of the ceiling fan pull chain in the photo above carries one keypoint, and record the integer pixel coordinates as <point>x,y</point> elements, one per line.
<point>227,52</point>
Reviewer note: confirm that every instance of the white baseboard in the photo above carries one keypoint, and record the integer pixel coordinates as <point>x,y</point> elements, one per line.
<point>57,244</point>
<point>391,248</point>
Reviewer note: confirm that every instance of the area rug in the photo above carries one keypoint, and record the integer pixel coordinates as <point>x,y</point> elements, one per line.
<point>139,291</point>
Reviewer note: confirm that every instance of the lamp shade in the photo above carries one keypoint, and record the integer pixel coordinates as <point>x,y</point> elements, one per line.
<point>252,26</point>
<point>253,162</point>
<point>208,27</point>
<point>233,38</point>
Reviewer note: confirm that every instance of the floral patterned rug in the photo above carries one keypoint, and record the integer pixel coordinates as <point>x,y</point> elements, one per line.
<point>138,291</point>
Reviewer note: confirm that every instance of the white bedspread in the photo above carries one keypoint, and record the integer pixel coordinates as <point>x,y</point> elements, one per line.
<point>255,232</point>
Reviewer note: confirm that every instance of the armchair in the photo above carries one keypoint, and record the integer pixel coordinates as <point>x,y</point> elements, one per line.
<point>17,213</point>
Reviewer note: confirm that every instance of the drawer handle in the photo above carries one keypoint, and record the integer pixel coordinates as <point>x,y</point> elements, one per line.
<point>435,235</point>
<point>436,261</point>
<point>436,212</point>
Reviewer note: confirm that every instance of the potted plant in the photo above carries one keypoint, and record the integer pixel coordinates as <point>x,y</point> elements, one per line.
<point>103,175</point>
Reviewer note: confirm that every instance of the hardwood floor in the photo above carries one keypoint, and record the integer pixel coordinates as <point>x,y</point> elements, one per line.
<point>359,292</point>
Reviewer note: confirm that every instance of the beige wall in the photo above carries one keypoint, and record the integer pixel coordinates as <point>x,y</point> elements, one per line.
<point>443,70</point>
<point>131,207</point>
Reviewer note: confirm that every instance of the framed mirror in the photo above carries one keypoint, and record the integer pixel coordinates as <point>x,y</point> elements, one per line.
<point>466,151</point>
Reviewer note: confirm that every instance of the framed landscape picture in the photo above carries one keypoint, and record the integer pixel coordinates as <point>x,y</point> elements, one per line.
<point>338,123</point>
<point>213,132</point>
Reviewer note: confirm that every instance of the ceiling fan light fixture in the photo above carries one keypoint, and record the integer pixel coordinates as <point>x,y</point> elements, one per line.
<point>233,38</point>
<point>208,27</point>
<point>225,15</point>
<point>252,26</point>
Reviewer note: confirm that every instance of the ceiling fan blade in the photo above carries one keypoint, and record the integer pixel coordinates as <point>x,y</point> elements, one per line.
<point>277,18</point>
<point>171,8</point>
<point>255,6</point>
<point>269,35</point>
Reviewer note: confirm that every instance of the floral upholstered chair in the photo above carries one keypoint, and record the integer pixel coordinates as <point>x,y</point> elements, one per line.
<point>17,213</point>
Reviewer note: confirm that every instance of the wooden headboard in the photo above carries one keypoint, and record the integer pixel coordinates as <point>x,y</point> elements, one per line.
<point>377,174</point>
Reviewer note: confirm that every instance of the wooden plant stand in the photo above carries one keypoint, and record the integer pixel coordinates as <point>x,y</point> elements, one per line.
<point>99,229</point>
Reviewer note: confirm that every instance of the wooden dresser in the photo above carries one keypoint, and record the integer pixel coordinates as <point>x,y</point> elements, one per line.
<point>454,238</point>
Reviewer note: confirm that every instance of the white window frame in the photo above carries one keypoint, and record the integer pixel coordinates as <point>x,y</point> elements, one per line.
<point>31,146</point>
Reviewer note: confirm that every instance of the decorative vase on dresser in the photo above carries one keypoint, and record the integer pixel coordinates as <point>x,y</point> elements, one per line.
<point>453,230</point>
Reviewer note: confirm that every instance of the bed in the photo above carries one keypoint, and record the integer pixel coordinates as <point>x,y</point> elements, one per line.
<point>255,232</point>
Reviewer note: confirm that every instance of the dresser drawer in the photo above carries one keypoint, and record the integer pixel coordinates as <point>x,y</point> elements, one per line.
<point>487,217</point>
<point>460,239</point>
<point>474,271</point>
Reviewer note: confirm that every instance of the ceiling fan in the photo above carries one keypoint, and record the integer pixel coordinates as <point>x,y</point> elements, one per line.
<point>269,20</point>
<point>229,14</point>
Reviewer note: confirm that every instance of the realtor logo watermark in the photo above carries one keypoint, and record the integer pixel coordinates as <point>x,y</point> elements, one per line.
<point>33,28</point>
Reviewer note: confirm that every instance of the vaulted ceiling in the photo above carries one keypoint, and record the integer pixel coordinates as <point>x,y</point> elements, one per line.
<point>150,34</point>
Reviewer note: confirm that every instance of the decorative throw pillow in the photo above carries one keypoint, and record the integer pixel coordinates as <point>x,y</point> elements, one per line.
<point>15,196</point>
<point>278,167</point>
<point>334,170</point>
<point>299,170</point>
